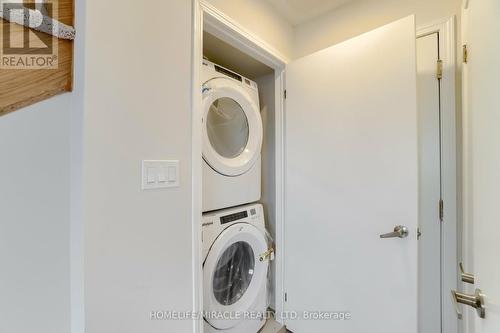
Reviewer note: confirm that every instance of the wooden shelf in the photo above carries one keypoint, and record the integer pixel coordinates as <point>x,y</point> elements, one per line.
<point>23,87</point>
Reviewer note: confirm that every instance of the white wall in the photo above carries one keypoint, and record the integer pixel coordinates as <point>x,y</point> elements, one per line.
<point>361,16</point>
<point>76,165</point>
<point>260,18</point>
<point>138,246</point>
<point>34,218</point>
<point>347,21</point>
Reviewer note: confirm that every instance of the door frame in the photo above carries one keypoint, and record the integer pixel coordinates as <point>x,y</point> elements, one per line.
<point>469,318</point>
<point>207,17</point>
<point>450,244</point>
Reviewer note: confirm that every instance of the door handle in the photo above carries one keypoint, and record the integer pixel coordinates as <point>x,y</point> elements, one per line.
<point>400,231</point>
<point>466,277</point>
<point>475,301</point>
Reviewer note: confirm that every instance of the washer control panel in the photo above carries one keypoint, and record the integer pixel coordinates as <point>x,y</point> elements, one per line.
<point>233,217</point>
<point>214,223</point>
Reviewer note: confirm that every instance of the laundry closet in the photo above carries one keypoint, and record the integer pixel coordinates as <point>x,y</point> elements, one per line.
<point>239,185</point>
<point>338,180</point>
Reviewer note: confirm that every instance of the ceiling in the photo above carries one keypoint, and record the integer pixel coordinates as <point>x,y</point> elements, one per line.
<point>300,11</point>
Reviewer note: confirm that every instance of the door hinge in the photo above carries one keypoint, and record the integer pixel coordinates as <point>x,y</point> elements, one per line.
<point>419,233</point>
<point>284,94</point>
<point>465,53</point>
<point>286,297</point>
<point>441,210</point>
<point>439,69</point>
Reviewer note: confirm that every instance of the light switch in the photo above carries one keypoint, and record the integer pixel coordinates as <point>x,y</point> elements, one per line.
<point>151,175</point>
<point>162,175</point>
<point>172,174</point>
<point>158,174</point>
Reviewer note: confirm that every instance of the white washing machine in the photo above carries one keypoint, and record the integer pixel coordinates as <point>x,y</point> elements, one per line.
<point>236,262</point>
<point>232,139</point>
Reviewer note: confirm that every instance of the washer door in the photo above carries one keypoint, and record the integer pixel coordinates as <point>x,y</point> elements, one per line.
<point>232,127</point>
<point>233,275</point>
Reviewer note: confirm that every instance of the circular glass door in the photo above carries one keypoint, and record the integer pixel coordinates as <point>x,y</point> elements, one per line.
<point>233,273</point>
<point>232,127</point>
<point>227,127</point>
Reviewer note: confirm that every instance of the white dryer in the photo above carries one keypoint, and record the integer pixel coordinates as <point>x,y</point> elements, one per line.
<point>232,139</point>
<point>236,261</point>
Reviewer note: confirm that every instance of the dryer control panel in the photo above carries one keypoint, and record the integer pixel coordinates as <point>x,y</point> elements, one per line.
<point>229,73</point>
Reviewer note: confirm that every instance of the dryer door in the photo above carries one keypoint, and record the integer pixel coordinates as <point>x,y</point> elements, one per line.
<point>232,127</point>
<point>234,275</point>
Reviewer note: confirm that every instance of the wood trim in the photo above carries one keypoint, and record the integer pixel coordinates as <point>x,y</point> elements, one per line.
<point>280,175</point>
<point>22,87</point>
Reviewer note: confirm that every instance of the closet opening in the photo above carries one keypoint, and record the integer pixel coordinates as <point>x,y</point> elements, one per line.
<point>238,239</point>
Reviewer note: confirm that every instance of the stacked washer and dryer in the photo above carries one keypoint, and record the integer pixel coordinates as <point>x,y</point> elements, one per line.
<point>236,252</point>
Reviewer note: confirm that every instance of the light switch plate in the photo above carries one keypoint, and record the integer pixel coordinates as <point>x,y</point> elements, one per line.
<point>160,174</point>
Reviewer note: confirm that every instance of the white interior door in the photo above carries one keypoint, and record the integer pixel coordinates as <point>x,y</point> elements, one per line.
<point>482,159</point>
<point>351,175</point>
